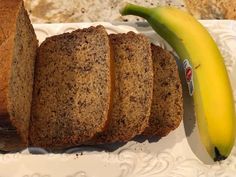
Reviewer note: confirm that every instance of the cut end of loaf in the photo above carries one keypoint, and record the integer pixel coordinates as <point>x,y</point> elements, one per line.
<point>22,74</point>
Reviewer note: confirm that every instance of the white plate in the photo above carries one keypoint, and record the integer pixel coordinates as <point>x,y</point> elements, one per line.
<point>180,154</point>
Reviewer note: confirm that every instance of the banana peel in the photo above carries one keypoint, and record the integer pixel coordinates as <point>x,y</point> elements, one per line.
<point>205,72</point>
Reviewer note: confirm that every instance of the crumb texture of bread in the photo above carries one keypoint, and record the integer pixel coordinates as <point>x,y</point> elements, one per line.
<point>167,104</point>
<point>72,88</point>
<point>133,88</point>
<point>18,45</point>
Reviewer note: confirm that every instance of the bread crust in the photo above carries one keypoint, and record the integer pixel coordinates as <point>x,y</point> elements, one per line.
<point>8,16</point>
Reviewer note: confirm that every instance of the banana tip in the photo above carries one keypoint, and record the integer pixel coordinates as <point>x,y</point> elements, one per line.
<point>218,156</point>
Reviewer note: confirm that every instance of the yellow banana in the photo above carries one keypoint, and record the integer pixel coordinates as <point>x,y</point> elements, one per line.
<point>205,71</point>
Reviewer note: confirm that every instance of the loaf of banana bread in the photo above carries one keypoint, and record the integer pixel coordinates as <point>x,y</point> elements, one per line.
<point>18,46</point>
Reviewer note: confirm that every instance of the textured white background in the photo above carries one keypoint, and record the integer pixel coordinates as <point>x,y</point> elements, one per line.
<point>42,11</point>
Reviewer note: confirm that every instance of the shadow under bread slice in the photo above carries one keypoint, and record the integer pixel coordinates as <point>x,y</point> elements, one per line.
<point>167,103</point>
<point>72,88</point>
<point>133,87</point>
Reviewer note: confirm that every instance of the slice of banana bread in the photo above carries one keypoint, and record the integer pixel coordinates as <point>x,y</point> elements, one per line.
<point>72,88</point>
<point>132,96</point>
<point>167,104</point>
<point>18,46</point>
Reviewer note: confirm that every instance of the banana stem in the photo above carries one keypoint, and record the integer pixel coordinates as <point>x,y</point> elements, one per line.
<point>131,9</point>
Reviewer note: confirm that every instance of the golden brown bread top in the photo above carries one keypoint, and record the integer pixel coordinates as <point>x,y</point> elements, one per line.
<point>9,10</point>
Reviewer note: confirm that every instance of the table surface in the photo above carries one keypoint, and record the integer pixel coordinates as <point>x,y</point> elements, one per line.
<point>54,11</point>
